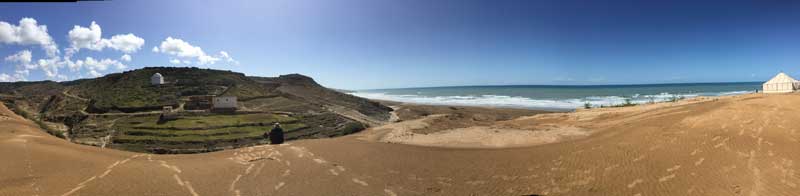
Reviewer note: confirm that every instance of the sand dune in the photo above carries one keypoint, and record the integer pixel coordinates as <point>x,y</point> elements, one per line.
<point>742,145</point>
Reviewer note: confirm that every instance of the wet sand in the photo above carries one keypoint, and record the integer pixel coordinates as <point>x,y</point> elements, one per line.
<point>741,145</point>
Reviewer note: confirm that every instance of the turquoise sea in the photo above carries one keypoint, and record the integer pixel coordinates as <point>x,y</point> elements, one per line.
<point>556,97</point>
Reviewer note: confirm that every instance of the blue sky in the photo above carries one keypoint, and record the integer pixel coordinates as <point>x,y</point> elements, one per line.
<point>363,44</point>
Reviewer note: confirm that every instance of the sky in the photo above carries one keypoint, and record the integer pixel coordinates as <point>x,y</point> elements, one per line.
<point>370,44</point>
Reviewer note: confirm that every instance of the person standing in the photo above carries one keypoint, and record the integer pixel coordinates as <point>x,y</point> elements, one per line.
<point>276,134</point>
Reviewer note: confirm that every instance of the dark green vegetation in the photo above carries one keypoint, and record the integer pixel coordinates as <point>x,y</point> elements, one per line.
<point>122,110</point>
<point>198,132</point>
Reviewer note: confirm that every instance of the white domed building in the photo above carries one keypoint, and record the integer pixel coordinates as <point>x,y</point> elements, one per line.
<point>157,79</point>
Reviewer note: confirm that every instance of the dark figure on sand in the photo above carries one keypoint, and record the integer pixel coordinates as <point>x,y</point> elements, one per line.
<point>275,135</point>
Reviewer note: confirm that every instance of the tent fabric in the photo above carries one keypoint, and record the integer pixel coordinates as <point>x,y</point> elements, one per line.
<point>781,83</point>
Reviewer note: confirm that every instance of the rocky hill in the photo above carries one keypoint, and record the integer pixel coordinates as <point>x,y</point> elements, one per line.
<point>123,110</point>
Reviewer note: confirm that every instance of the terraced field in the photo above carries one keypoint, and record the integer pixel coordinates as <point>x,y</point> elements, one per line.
<point>199,132</point>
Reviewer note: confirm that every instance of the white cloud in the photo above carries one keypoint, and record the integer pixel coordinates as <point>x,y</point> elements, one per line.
<point>127,43</point>
<point>94,73</point>
<point>205,60</point>
<point>6,78</point>
<point>92,38</point>
<point>224,55</point>
<point>28,32</point>
<point>24,63</point>
<point>22,57</point>
<point>175,61</point>
<point>12,78</point>
<point>50,66</point>
<point>100,65</point>
<point>126,58</point>
<point>180,48</point>
<point>89,38</point>
<point>185,50</point>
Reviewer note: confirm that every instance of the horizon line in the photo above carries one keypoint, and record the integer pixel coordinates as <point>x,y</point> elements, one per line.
<point>551,85</point>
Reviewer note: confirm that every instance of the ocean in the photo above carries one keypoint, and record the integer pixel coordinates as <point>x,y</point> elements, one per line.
<point>556,97</point>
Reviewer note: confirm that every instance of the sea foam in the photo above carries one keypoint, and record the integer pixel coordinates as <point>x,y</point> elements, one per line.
<point>531,103</point>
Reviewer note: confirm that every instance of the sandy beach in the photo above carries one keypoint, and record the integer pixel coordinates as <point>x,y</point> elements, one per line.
<point>736,145</point>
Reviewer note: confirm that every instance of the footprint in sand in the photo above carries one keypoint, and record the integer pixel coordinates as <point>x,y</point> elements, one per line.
<point>362,183</point>
<point>320,161</point>
<point>279,185</point>
<point>475,182</point>
<point>333,172</point>
<point>673,168</point>
<point>609,168</point>
<point>666,178</point>
<point>634,183</point>
<point>389,192</point>
<point>696,150</point>
<point>699,161</point>
<point>286,172</point>
<point>638,158</point>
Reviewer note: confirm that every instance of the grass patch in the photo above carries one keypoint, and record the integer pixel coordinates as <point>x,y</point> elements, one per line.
<point>203,121</point>
<point>201,128</point>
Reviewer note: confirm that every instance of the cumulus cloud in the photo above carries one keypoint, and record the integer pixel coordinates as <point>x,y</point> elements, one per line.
<point>127,43</point>
<point>179,48</point>
<point>92,38</point>
<point>126,58</point>
<point>224,55</point>
<point>51,66</point>
<point>28,32</point>
<point>89,38</point>
<point>185,50</point>
<point>23,60</point>
<point>6,78</point>
<point>96,65</point>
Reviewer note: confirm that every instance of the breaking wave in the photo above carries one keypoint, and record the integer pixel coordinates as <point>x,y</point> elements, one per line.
<point>531,103</point>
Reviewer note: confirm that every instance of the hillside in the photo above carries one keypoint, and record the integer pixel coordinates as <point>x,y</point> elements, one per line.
<point>108,111</point>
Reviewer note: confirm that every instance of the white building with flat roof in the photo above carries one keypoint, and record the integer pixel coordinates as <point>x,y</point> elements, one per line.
<point>224,102</point>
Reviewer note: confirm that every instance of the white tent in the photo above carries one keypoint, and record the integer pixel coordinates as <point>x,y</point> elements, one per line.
<point>781,83</point>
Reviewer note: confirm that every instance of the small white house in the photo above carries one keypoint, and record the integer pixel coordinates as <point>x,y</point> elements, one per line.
<point>224,102</point>
<point>781,83</point>
<point>157,79</point>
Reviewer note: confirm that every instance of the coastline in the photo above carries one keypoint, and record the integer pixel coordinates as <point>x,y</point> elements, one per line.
<point>445,126</point>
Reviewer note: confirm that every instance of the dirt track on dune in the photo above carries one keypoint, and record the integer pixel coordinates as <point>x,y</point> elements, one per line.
<point>743,145</point>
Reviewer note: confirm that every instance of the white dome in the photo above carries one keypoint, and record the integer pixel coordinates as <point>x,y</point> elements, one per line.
<point>156,79</point>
